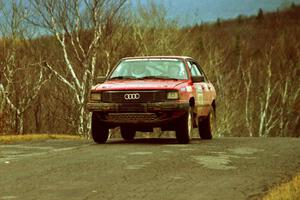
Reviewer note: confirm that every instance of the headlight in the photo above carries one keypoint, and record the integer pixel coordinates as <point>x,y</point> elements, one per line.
<point>95,96</point>
<point>173,95</point>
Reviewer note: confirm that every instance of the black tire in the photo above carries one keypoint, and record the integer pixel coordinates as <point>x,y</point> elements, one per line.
<point>127,133</point>
<point>184,127</point>
<point>207,125</point>
<point>99,130</point>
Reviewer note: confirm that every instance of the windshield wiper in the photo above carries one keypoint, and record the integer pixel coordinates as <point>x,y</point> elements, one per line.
<point>158,77</point>
<point>122,77</point>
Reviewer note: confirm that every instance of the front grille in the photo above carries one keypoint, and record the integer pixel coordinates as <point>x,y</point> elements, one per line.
<point>144,96</point>
<point>131,117</point>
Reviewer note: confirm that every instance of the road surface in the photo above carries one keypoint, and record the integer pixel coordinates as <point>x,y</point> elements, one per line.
<point>146,169</point>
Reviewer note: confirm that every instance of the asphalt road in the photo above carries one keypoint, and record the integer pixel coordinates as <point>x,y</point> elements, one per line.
<point>158,169</point>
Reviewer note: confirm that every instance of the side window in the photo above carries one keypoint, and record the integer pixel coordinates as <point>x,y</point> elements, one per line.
<point>195,71</point>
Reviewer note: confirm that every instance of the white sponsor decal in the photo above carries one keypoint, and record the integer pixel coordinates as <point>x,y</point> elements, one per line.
<point>200,98</point>
<point>199,88</point>
<point>189,88</point>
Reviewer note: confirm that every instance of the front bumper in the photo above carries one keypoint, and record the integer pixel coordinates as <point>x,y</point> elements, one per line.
<point>138,114</point>
<point>137,107</point>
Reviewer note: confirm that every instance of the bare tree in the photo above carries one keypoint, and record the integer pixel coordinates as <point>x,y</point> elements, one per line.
<point>154,34</point>
<point>68,21</point>
<point>289,94</point>
<point>267,116</point>
<point>224,81</point>
<point>248,83</point>
<point>21,79</point>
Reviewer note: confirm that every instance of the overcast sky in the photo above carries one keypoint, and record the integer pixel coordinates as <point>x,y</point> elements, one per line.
<point>195,11</point>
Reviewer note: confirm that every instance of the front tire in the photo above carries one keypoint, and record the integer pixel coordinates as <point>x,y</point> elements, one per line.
<point>184,127</point>
<point>127,133</point>
<point>99,130</point>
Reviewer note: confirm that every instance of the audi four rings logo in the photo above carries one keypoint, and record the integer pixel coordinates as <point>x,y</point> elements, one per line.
<point>132,96</point>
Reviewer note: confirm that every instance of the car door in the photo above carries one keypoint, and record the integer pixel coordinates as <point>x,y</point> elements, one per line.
<point>204,90</point>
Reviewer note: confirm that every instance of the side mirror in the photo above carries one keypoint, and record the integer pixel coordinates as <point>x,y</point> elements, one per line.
<point>100,79</point>
<point>198,79</point>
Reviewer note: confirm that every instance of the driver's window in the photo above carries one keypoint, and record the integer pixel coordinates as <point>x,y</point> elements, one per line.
<point>194,69</point>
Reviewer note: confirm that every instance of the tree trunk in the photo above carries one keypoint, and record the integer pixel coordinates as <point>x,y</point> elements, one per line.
<point>37,115</point>
<point>19,123</point>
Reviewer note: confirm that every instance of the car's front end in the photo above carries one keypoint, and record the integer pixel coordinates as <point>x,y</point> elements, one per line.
<point>136,107</point>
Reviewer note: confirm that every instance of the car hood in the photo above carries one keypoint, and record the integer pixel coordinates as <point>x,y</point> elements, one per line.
<point>138,85</point>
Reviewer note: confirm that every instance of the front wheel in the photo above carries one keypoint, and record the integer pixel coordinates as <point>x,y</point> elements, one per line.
<point>184,128</point>
<point>99,130</point>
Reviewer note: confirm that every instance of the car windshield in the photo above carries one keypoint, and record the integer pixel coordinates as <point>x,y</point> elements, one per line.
<point>173,69</point>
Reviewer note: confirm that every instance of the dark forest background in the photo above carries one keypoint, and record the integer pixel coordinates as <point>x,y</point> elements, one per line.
<point>52,51</point>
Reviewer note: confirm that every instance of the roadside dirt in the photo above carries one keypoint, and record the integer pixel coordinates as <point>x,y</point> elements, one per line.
<point>225,168</point>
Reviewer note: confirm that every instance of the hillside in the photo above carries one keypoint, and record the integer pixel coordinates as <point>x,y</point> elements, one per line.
<point>254,63</point>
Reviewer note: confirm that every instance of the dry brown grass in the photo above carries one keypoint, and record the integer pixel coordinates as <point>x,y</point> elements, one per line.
<point>285,191</point>
<point>34,137</point>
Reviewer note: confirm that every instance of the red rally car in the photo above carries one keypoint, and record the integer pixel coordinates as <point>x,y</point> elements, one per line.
<point>142,93</point>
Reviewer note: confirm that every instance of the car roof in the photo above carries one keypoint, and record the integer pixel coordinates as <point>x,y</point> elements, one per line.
<point>157,57</point>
